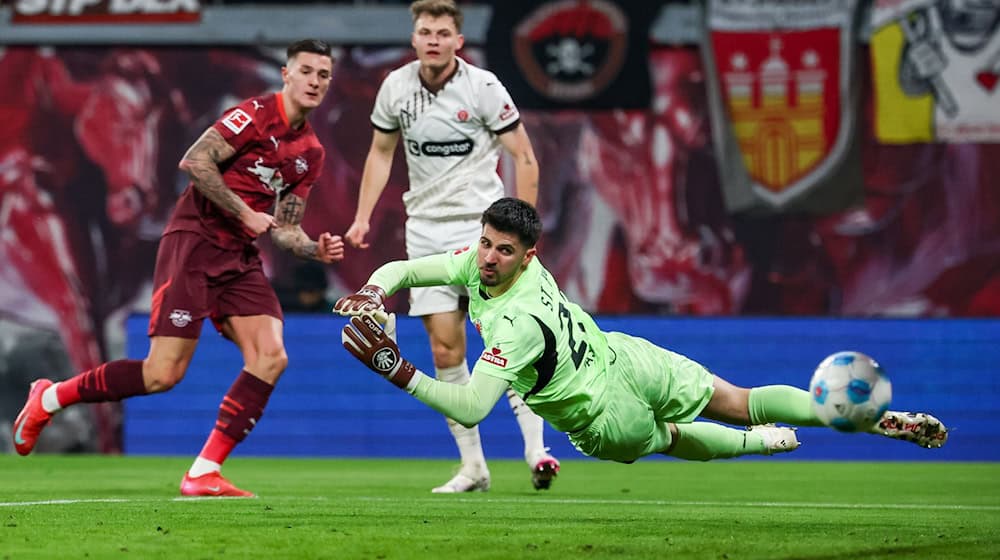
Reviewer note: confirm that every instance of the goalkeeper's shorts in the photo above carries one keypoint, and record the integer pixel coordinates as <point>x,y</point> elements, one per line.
<point>648,388</point>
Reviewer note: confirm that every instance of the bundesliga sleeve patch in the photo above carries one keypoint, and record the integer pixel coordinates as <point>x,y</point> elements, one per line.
<point>236,121</point>
<point>508,111</point>
<point>493,357</point>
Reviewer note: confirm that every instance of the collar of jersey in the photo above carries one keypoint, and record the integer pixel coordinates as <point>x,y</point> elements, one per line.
<point>458,66</point>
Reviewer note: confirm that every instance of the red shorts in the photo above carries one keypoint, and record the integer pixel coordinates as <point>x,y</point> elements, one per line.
<point>195,279</point>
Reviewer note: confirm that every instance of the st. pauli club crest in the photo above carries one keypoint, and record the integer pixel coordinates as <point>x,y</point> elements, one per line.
<point>572,53</point>
<point>570,50</point>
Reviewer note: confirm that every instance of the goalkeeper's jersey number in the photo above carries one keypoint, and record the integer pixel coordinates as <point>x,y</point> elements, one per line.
<point>547,363</point>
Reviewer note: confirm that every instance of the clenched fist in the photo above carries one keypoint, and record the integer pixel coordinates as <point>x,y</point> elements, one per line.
<point>329,248</point>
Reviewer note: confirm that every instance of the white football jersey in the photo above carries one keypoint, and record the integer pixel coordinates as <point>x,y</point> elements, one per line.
<point>450,138</point>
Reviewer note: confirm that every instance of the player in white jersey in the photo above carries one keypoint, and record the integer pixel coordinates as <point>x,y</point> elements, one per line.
<point>453,118</point>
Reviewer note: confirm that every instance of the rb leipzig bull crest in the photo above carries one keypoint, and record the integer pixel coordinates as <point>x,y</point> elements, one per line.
<point>785,91</point>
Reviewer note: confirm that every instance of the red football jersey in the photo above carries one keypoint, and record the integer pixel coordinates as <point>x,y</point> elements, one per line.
<point>271,159</point>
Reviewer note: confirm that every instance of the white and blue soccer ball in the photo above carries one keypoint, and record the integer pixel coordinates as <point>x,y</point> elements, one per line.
<point>850,391</point>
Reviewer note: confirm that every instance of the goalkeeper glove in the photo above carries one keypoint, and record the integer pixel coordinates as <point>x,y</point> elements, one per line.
<point>368,299</point>
<point>375,348</point>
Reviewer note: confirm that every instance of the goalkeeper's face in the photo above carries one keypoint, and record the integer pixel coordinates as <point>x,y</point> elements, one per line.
<point>501,259</point>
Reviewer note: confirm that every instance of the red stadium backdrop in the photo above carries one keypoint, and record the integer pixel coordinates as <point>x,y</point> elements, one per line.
<point>633,210</point>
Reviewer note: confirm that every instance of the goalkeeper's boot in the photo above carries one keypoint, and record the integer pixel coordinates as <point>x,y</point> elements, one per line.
<point>544,468</point>
<point>211,484</point>
<point>777,439</point>
<point>466,480</point>
<point>921,429</point>
<point>32,419</point>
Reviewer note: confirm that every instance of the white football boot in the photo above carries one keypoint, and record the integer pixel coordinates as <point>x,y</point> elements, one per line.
<point>919,428</point>
<point>466,480</point>
<point>777,439</point>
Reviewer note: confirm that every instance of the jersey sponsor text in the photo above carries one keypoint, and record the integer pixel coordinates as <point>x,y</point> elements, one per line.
<point>492,358</point>
<point>445,149</point>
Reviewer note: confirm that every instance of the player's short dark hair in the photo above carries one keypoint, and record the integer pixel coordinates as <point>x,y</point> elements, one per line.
<point>311,46</point>
<point>437,8</point>
<point>513,215</point>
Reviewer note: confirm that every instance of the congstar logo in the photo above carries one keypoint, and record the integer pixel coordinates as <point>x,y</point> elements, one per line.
<point>445,149</point>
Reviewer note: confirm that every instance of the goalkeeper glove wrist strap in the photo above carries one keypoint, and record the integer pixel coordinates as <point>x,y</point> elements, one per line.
<point>402,374</point>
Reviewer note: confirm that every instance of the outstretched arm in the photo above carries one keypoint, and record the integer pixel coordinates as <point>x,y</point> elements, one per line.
<point>289,235</point>
<point>378,165</point>
<point>466,404</point>
<point>516,142</point>
<point>391,277</point>
<point>201,163</point>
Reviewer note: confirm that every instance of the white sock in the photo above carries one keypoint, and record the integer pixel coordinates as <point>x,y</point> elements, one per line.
<point>470,448</point>
<point>50,401</point>
<point>202,467</point>
<point>532,427</point>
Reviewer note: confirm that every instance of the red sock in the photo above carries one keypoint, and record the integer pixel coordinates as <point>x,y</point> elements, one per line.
<point>217,447</point>
<point>239,412</point>
<point>112,381</point>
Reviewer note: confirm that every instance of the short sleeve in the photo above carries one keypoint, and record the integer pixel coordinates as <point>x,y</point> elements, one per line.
<point>496,107</point>
<point>238,126</point>
<point>382,115</point>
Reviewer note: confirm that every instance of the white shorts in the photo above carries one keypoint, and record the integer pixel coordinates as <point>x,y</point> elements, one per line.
<point>432,237</point>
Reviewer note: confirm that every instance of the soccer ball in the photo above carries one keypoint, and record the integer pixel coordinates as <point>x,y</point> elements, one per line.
<point>850,391</point>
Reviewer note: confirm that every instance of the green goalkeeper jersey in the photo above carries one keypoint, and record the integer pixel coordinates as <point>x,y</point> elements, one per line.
<point>547,347</point>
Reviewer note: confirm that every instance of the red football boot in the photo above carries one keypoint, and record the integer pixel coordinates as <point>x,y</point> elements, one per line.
<point>211,484</point>
<point>32,419</point>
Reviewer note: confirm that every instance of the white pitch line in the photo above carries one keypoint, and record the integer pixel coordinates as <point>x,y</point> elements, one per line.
<point>141,500</point>
<point>674,503</point>
<point>569,501</point>
<point>64,502</point>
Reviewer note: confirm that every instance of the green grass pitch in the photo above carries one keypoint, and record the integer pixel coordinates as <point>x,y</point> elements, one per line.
<point>127,507</point>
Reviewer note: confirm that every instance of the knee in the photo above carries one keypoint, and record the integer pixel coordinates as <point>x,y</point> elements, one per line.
<point>447,356</point>
<point>729,404</point>
<point>162,375</point>
<point>270,363</point>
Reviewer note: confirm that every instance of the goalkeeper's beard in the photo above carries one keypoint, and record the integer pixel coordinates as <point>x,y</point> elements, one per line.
<point>492,280</point>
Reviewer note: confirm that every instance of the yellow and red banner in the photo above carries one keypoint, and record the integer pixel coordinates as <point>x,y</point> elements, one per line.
<point>781,72</point>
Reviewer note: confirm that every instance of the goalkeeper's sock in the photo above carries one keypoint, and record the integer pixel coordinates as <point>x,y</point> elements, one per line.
<point>704,441</point>
<point>470,447</point>
<point>532,427</point>
<point>112,381</point>
<point>782,403</point>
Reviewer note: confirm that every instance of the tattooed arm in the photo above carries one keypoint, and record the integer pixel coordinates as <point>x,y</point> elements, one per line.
<point>288,233</point>
<point>201,163</point>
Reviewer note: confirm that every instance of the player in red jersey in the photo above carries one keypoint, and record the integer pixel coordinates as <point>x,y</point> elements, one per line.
<point>260,153</point>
